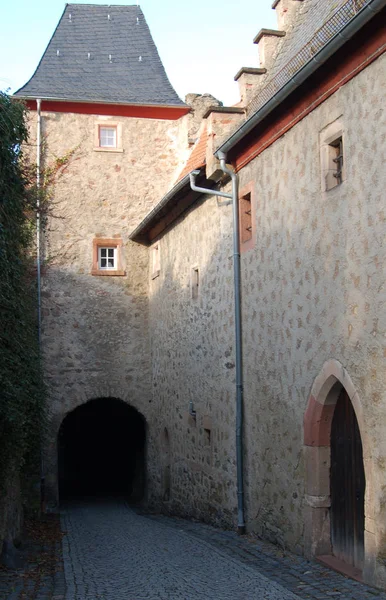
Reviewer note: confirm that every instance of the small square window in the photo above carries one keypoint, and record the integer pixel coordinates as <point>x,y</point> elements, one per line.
<point>107,137</point>
<point>107,257</point>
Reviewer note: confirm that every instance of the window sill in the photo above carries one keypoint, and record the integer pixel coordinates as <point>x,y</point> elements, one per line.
<point>338,186</point>
<point>99,149</point>
<point>112,273</point>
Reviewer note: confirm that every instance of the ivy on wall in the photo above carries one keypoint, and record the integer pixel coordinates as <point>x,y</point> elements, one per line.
<point>22,392</point>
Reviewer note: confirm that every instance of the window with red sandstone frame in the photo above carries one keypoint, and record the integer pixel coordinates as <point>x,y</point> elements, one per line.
<point>107,136</point>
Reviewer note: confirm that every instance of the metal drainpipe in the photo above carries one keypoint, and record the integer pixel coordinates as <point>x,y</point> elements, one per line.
<point>234,196</point>
<point>38,266</point>
<point>38,269</point>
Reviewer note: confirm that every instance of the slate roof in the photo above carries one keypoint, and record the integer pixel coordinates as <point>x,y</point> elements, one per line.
<point>102,53</point>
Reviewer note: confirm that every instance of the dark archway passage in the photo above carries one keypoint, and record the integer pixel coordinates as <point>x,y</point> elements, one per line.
<point>102,451</point>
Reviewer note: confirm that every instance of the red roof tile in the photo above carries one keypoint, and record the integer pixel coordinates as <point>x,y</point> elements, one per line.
<point>197,158</point>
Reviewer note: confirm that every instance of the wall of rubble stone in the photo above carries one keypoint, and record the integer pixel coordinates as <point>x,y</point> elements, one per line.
<point>95,334</point>
<point>313,291</point>
<point>193,363</point>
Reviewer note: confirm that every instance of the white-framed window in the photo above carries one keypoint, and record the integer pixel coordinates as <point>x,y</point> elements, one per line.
<point>107,136</point>
<point>107,258</point>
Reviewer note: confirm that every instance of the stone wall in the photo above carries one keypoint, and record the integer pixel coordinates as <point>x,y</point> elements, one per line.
<point>313,291</point>
<point>95,328</point>
<point>192,362</point>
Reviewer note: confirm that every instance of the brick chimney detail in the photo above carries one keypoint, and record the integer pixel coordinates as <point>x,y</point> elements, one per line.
<point>221,121</point>
<point>250,81</point>
<point>267,42</point>
<point>285,13</point>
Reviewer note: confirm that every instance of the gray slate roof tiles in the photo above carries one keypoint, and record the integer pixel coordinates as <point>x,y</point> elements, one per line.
<point>102,53</point>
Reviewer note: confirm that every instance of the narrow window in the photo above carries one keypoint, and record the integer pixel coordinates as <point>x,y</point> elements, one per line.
<point>156,261</point>
<point>195,282</point>
<point>107,137</point>
<point>337,159</point>
<point>207,437</point>
<point>245,218</point>
<point>332,155</point>
<point>107,258</point>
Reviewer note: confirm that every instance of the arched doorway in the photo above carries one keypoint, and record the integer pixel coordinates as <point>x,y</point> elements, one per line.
<point>347,484</point>
<point>335,474</point>
<point>101,451</point>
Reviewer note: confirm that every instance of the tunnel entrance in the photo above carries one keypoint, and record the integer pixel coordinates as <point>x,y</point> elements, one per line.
<point>101,447</point>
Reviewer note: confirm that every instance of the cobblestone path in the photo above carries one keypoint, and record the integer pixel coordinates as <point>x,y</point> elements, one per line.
<point>112,553</point>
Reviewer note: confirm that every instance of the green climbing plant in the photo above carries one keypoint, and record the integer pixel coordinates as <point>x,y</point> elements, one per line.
<point>22,390</point>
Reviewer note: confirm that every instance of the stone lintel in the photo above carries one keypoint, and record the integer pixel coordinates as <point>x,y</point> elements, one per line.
<point>268,32</point>
<point>249,71</point>
<point>223,109</point>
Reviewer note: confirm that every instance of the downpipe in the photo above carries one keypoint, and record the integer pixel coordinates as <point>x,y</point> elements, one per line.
<point>38,271</point>
<point>234,196</point>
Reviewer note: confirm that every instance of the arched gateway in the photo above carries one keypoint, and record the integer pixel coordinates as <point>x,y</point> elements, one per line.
<point>335,474</point>
<point>101,451</point>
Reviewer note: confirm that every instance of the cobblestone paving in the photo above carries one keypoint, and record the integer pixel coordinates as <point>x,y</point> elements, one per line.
<point>111,553</point>
<point>309,580</point>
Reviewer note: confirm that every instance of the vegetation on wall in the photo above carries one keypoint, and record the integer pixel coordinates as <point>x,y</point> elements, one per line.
<point>22,393</point>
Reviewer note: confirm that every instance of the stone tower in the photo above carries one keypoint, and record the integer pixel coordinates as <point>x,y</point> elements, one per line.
<point>105,100</point>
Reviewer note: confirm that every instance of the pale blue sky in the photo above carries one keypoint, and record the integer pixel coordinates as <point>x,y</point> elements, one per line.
<point>202,43</point>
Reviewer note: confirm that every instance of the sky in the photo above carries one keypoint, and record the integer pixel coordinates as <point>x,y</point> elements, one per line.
<point>202,44</point>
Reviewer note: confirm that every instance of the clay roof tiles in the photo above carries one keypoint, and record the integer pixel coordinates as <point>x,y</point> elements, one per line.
<point>102,53</point>
<point>197,157</point>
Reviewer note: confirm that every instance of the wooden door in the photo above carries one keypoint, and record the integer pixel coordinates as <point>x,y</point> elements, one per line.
<point>347,485</point>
